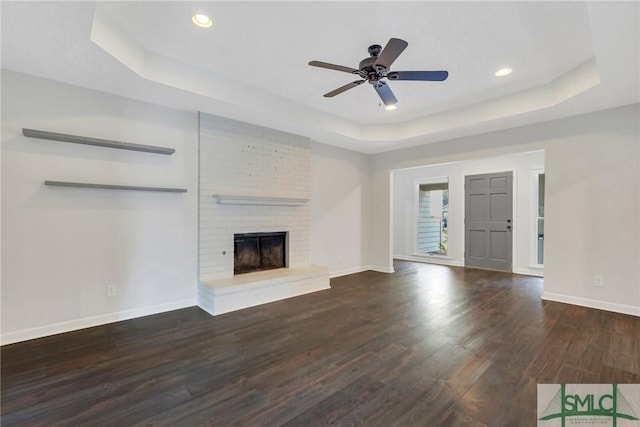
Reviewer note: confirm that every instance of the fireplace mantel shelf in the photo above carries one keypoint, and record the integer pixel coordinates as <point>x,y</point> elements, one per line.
<point>238,199</point>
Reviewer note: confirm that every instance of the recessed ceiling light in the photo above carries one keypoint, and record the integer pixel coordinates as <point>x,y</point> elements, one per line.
<point>390,107</point>
<point>201,20</point>
<point>503,72</point>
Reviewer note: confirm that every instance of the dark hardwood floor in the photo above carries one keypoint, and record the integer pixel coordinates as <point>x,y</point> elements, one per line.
<point>427,346</point>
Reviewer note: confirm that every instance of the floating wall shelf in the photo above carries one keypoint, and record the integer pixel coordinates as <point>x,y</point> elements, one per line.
<point>113,187</point>
<point>41,134</point>
<point>228,199</point>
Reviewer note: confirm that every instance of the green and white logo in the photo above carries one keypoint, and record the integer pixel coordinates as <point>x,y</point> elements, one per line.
<point>588,405</point>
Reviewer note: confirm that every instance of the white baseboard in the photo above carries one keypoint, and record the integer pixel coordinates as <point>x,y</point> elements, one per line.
<point>380,269</point>
<point>87,322</point>
<point>347,271</point>
<point>354,270</point>
<point>430,260</point>
<point>591,303</point>
<point>455,263</point>
<point>529,272</point>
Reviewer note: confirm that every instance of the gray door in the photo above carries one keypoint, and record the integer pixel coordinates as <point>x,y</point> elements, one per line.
<point>488,220</point>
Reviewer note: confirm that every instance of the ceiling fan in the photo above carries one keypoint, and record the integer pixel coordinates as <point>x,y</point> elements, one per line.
<point>376,67</point>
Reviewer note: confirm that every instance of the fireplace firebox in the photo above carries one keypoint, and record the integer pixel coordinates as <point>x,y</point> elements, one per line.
<point>259,251</point>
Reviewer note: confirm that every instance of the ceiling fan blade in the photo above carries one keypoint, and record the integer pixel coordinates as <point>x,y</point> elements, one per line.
<point>384,91</point>
<point>334,67</point>
<point>343,88</point>
<point>433,76</point>
<point>390,53</point>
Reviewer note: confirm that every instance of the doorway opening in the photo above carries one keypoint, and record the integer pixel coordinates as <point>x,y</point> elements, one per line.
<point>432,218</point>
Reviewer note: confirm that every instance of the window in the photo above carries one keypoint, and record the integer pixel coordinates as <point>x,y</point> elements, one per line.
<point>540,219</point>
<point>432,218</point>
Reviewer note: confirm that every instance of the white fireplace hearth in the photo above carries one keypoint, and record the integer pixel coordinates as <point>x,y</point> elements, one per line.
<point>251,289</point>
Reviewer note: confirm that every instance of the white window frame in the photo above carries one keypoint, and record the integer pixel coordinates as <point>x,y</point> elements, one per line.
<point>535,173</point>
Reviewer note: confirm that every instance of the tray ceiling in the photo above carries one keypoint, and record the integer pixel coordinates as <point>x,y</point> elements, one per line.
<point>568,58</point>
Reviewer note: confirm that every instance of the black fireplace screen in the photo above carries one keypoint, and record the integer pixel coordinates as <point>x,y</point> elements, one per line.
<point>258,251</point>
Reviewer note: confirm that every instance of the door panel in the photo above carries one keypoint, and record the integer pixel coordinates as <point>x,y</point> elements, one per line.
<point>476,243</point>
<point>475,184</point>
<point>488,220</point>
<point>498,244</point>
<point>498,209</point>
<point>476,209</point>
<point>498,182</point>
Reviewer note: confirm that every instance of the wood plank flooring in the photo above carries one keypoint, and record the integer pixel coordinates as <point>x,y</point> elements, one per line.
<point>427,346</point>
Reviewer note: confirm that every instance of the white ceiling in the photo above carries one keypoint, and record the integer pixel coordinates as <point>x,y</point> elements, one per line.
<point>568,58</point>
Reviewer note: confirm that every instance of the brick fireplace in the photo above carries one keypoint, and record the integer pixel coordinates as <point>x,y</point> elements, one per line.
<point>253,181</point>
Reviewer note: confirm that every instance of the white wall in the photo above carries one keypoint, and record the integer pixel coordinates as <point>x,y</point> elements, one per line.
<point>521,164</point>
<point>61,247</point>
<point>585,156</point>
<point>339,209</point>
<point>592,213</point>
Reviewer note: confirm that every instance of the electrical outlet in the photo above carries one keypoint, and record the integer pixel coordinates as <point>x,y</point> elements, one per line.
<point>598,280</point>
<point>111,290</point>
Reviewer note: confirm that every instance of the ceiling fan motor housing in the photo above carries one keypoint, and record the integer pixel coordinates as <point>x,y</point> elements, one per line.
<point>368,68</point>
<point>374,50</point>
<point>367,64</point>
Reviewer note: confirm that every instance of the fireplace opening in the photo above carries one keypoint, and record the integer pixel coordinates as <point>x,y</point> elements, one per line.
<point>259,251</point>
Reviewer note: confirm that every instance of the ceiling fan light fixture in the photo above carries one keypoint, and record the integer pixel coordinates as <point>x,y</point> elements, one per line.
<point>375,68</point>
<point>503,72</point>
<point>201,20</point>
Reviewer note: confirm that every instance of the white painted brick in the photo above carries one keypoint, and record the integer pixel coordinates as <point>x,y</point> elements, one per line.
<point>241,158</point>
